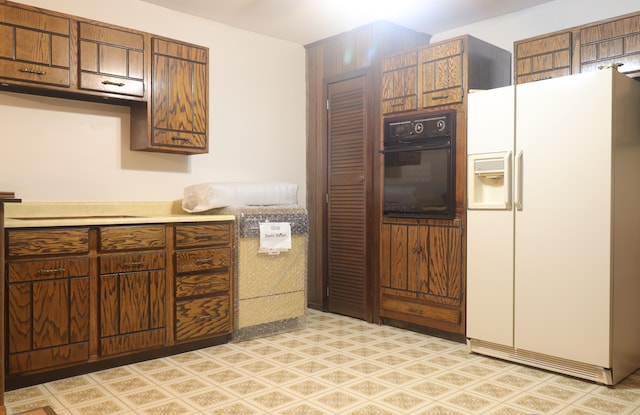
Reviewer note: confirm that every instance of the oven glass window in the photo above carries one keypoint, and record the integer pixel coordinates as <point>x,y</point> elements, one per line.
<point>418,183</point>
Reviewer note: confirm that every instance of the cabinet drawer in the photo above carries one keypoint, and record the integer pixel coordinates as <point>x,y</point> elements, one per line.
<point>36,73</point>
<point>191,236</point>
<point>111,60</point>
<point>396,307</point>
<point>202,259</point>
<point>45,270</point>
<point>179,139</point>
<point>47,241</point>
<point>106,83</point>
<point>119,238</point>
<point>390,106</point>
<point>192,285</point>
<point>202,317</point>
<point>442,97</point>
<point>111,264</point>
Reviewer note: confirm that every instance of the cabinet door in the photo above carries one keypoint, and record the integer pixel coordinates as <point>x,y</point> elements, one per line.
<point>400,83</point>
<point>543,57</point>
<point>132,311</point>
<point>614,42</point>
<point>35,47</point>
<point>179,97</point>
<point>47,313</point>
<point>441,68</point>
<point>111,60</point>
<point>421,274</point>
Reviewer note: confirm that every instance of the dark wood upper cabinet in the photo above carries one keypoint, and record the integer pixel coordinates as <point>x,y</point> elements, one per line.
<point>579,49</point>
<point>164,81</point>
<point>179,89</point>
<point>613,42</point>
<point>35,47</point>
<point>441,74</point>
<point>400,83</point>
<point>543,57</point>
<point>111,60</point>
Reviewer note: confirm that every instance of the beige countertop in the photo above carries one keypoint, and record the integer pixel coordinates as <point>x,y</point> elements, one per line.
<point>47,214</point>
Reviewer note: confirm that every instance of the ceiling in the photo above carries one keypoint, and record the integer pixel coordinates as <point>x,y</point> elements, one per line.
<point>307,21</point>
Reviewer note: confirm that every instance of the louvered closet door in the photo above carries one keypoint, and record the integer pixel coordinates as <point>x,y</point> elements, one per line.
<point>346,213</point>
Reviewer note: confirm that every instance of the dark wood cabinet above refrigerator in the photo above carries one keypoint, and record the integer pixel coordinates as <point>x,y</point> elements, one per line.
<point>584,48</point>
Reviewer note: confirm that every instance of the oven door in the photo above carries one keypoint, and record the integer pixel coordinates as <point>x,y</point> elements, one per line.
<point>419,180</point>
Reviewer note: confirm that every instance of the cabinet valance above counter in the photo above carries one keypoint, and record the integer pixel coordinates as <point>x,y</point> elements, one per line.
<point>48,214</point>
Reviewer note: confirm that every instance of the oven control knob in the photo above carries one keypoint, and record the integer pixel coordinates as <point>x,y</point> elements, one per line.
<point>441,125</point>
<point>418,128</point>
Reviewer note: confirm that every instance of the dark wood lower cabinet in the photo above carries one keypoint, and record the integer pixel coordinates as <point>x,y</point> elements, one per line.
<point>422,275</point>
<point>48,314</point>
<point>88,298</point>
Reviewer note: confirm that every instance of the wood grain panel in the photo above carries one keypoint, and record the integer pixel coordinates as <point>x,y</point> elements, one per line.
<point>26,242</point>
<point>202,284</point>
<point>441,74</point>
<point>131,342</point>
<point>43,359</point>
<point>131,262</point>
<point>542,57</point>
<point>132,302</point>
<point>179,107</point>
<point>616,41</point>
<point>202,317</point>
<point>19,317</point>
<point>119,238</point>
<point>191,236</point>
<point>44,270</point>
<point>400,83</point>
<point>202,259</point>
<point>35,47</point>
<point>399,257</point>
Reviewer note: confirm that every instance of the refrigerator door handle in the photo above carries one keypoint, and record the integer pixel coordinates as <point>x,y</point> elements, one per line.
<point>507,180</point>
<point>518,181</point>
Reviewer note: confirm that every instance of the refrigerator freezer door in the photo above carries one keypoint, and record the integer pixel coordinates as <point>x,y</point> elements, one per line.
<point>490,232</point>
<point>563,232</point>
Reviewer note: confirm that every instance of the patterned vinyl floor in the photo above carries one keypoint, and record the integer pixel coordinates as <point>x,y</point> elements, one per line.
<point>336,365</point>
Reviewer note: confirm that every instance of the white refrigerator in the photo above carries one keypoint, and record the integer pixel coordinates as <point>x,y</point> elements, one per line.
<point>553,225</point>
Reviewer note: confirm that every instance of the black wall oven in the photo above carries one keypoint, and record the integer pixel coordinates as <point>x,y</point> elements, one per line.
<point>419,165</point>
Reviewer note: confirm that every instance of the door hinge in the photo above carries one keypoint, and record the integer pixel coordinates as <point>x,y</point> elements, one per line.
<point>327,105</point>
<point>327,290</point>
<point>326,198</point>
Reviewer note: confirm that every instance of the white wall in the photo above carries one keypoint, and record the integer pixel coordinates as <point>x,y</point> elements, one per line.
<point>548,17</point>
<point>64,150</point>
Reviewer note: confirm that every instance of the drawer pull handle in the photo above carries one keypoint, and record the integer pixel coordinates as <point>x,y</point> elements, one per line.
<point>440,97</point>
<point>51,271</point>
<point>33,71</point>
<point>133,264</point>
<point>112,83</point>
<point>204,260</point>
<point>204,284</point>
<point>176,138</point>
<point>204,236</point>
<point>202,318</point>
